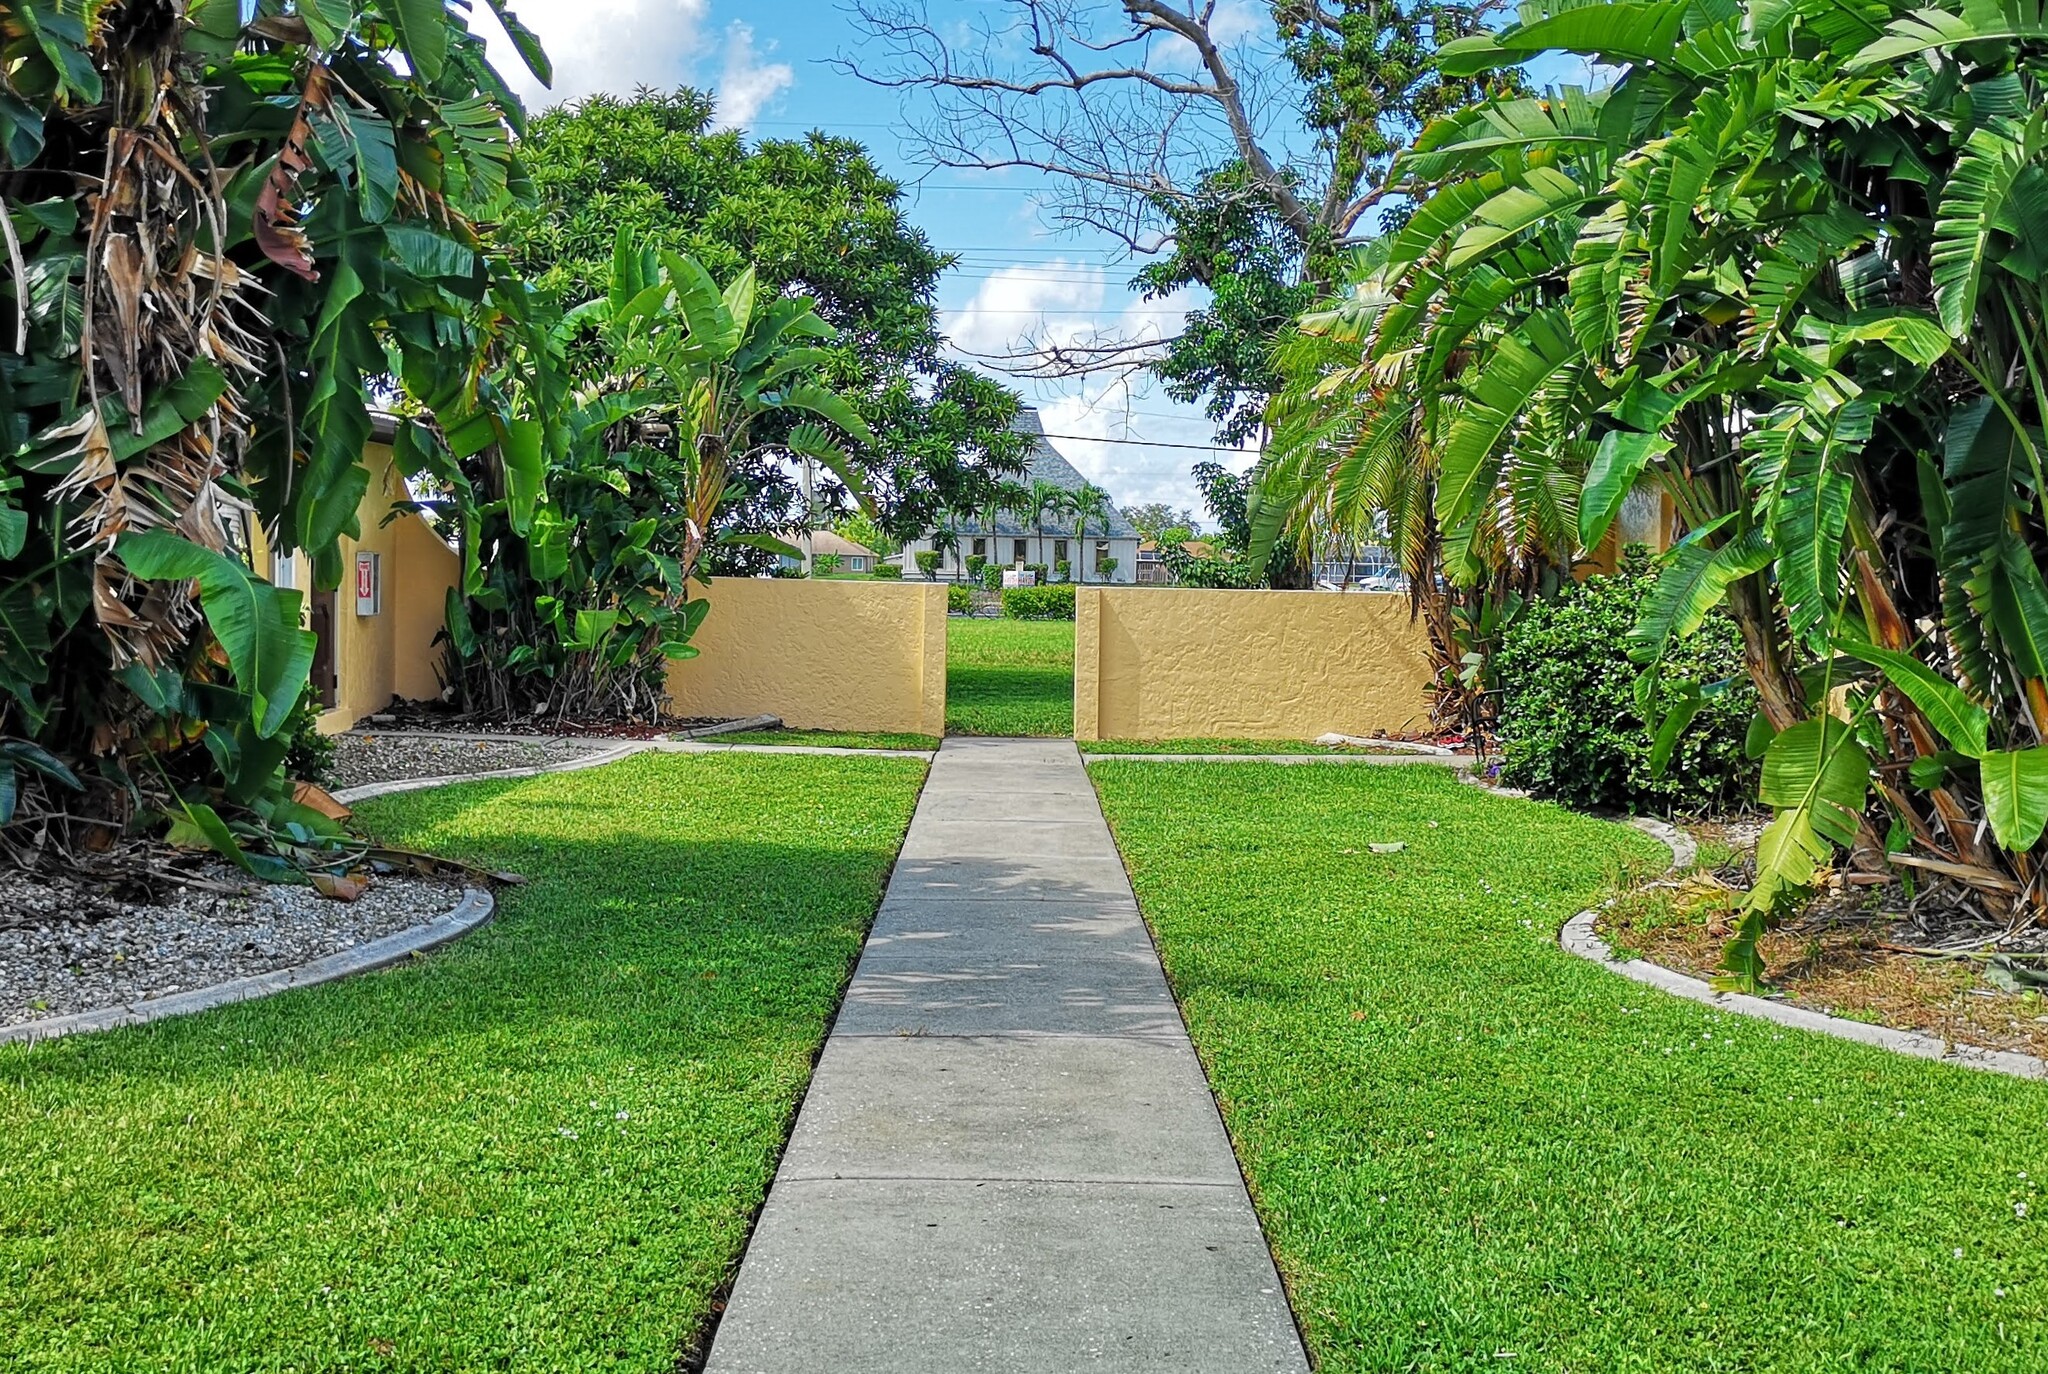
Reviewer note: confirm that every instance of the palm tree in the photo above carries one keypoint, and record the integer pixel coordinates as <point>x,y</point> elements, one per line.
<point>1048,501</point>
<point>1090,508</point>
<point>1004,497</point>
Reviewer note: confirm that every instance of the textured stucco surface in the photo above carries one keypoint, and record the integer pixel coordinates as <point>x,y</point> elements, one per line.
<point>822,655</point>
<point>1174,663</point>
<point>393,652</point>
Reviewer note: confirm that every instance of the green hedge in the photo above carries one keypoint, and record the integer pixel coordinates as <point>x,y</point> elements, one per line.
<point>888,572</point>
<point>1570,724</point>
<point>959,598</point>
<point>1039,603</point>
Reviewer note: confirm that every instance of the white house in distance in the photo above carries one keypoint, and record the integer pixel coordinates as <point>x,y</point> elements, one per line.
<point>1016,540</point>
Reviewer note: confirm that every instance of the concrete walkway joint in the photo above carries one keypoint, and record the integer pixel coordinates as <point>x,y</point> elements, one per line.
<point>1008,1159</point>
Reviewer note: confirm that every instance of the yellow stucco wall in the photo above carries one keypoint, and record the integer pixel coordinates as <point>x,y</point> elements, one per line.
<point>823,655</point>
<point>1172,663</point>
<point>391,653</point>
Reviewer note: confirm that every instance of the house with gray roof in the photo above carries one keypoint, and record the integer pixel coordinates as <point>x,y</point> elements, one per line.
<point>1015,540</point>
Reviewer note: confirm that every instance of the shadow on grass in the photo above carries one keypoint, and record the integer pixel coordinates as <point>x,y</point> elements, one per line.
<point>537,1149</point>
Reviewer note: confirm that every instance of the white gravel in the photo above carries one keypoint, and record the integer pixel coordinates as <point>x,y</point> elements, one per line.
<point>374,757</point>
<point>66,949</point>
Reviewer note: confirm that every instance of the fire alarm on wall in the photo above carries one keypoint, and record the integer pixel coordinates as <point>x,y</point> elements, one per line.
<point>369,584</point>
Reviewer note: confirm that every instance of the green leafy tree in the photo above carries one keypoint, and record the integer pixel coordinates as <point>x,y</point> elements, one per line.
<point>1153,519</point>
<point>223,237</point>
<point>811,216</point>
<point>1714,279</point>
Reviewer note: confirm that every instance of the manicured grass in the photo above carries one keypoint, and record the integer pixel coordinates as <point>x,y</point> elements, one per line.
<point>834,739</point>
<point>537,1150</point>
<point>1216,746</point>
<point>1474,1151</point>
<point>1009,677</point>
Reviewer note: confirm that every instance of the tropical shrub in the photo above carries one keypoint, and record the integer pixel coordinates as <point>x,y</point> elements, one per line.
<point>1039,603</point>
<point>828,563</point>
<point>1576,712</point>
<point>1063,570</point>
<point>1786,272</point>
<point>222,237</point>
<point>588,495</point>
<point>992,579</point>
<point>309,754</point>
<point>959,599</point>
<point>887,572</point>
<point>1106,567</point>
<point>1040,571</point>
<point>928,563</point>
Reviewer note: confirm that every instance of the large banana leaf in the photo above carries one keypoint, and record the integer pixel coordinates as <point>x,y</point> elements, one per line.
<point>1989,188</point>
<point>1521,364</point>
<point>257,624</point>
<point>1695,577</point>
<point>2016,795</point>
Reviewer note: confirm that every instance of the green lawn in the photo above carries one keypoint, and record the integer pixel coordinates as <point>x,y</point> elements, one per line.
<point>1473,1151</point>
<point>834,739</point>
<point>537,1150</point>
<point>1009,677</point>
<point>1217,746</point>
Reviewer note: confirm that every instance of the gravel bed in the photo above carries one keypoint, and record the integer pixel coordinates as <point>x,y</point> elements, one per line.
<point>65,949</point>
<point>376,757</point>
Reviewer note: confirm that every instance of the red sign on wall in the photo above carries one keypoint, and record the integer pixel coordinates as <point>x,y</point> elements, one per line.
<point>366,584</point>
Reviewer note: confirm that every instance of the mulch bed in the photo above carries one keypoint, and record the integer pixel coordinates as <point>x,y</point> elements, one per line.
<point>1847,955</point>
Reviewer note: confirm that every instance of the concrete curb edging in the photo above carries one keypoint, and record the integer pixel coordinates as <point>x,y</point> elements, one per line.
<point>475,908</point>
<point>1580,938</point>
<point>691,746</point>
<point>1458,762</point>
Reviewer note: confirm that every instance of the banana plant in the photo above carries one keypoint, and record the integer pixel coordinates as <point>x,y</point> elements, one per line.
<point>590,478</point>
<point>1785,270</point>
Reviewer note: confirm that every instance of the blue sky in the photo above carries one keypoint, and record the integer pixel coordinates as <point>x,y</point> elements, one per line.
<point>770,65</point>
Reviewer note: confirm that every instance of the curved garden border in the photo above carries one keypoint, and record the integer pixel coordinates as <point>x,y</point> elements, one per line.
<point>1579,937</point>
<point>474,909</point>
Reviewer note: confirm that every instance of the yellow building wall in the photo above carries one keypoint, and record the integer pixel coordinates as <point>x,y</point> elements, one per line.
<point>822,655</point>
<point>1173,663</point>
<point>391,653</point>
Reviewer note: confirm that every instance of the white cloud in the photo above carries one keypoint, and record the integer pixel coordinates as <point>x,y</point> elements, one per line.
<point>747,84</point>
<point>619,45</point>
<point>1017,307</point>
<point>1237,19</point>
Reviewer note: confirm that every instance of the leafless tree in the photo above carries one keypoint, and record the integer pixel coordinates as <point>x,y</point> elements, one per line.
<point>1129,105</point>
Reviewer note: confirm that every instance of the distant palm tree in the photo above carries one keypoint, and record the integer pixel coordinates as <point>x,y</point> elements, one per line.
<point>1004,497</point>
<point>1090,508</point>
<point>1048,501</point>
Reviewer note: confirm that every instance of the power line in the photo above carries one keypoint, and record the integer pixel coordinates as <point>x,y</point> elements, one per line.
<point>1155,443</point>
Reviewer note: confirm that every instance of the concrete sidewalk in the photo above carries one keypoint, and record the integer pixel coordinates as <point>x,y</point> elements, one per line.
<point>1009,1159</point>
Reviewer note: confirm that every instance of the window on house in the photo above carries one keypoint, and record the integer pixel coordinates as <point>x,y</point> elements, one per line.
<point>981,548</point>
<point>1101,552</point>
<point>856,564</point>
<point>1019,553</point>
<point>1059,550</point>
